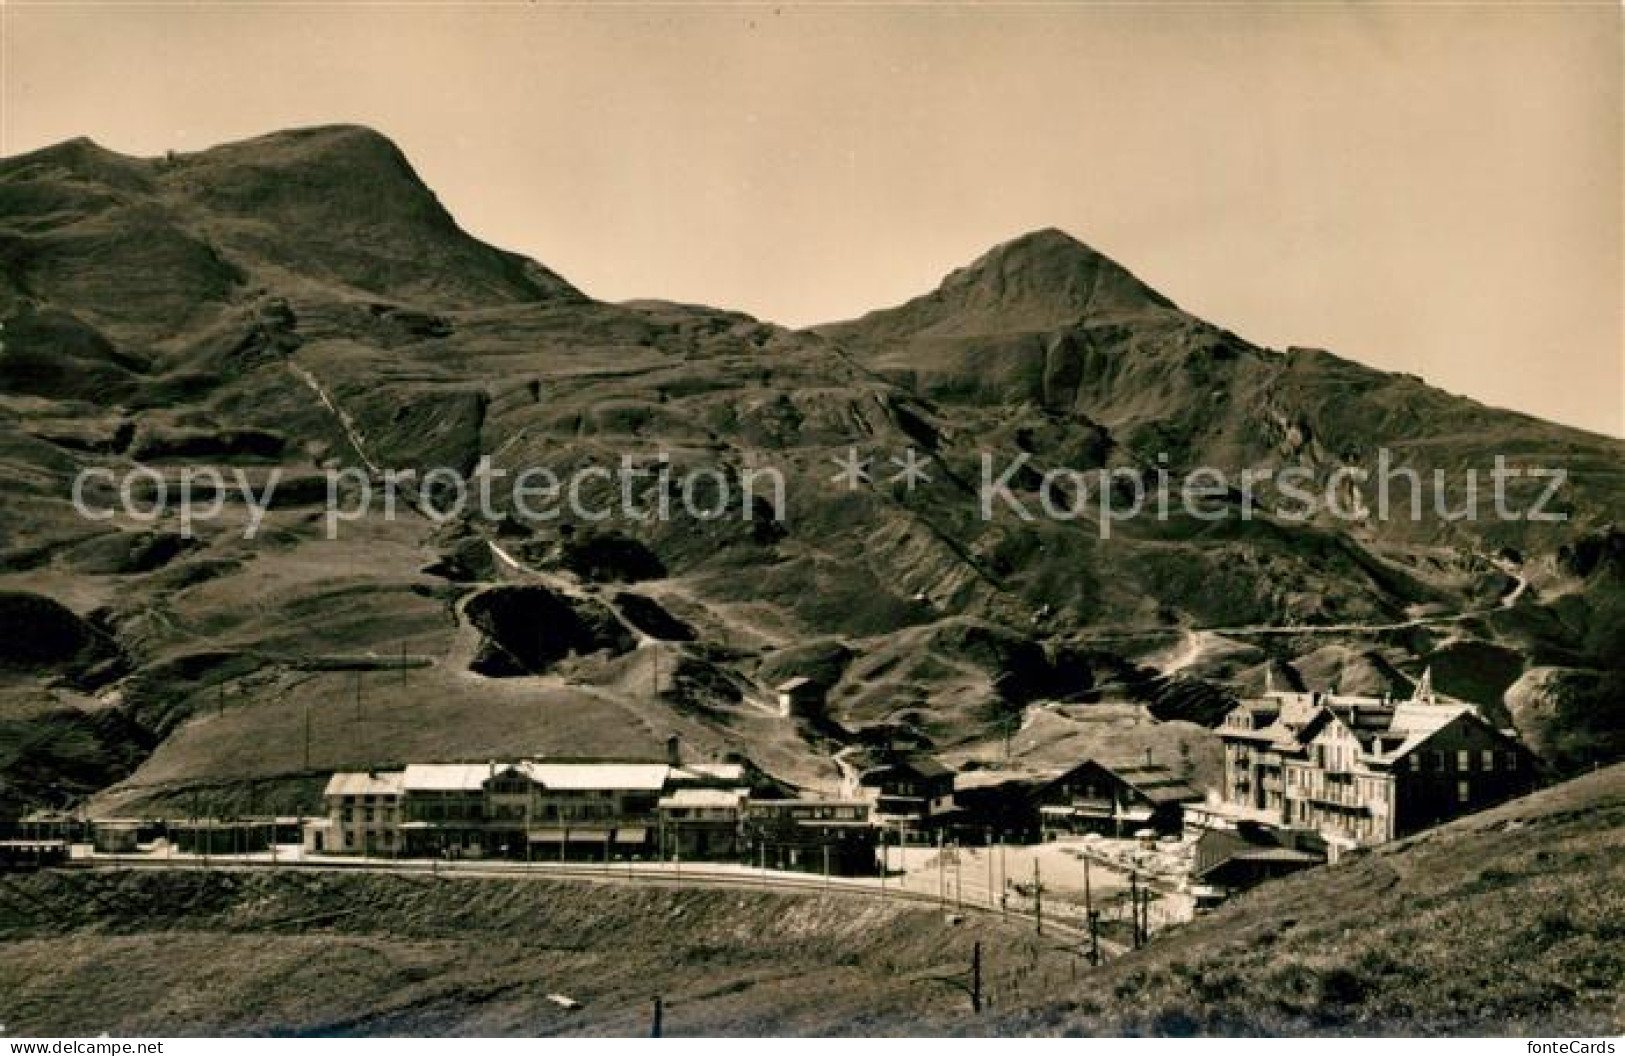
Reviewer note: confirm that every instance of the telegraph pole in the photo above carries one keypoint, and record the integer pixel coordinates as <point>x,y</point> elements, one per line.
<point>990,899</point>
<point>307,737</point>
<point>884,865</point>
<point>1004,878</point>
<point>1134,906</point>
<point>1038,898</point>
<point>1091,916</point>
<point>976,977</point>
<point>659,1017</point>
<point>942,873</point>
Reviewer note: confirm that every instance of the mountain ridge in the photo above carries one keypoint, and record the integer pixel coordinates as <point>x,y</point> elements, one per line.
<point>302,303</point>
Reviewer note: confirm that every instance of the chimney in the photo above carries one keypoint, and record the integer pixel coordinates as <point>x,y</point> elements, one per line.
<point>674,751</point>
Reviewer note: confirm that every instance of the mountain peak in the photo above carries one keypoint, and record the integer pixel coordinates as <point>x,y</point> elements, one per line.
<point>1053,275</point>
<point>1044,241</point>
<point>316,142</point>
<point>1043,280</point>
<point>82,158</point>
<point>347,205</point>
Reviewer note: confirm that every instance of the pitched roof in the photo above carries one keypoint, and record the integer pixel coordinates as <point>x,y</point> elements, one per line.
<point>1421,721</point>
<point>469,777</point>
<point>703,797</point>
<point>1154,781</point>
<point>641,777</point>
<point>731,772</point>
<point>445,777</point>
<point>926,766</point>
<point>1217,848</point>
<point>364,783</point>
<point>967,780</point>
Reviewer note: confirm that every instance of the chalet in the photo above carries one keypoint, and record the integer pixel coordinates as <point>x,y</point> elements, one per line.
<point>530,809</point>
<point>813,835</point>
<point>997,805</point>
<point>1364,770</point>
<point>1114,799</point>
<point>701,823</point>
<point>910,792</point>
<point>1229,860</point>
<point>363,814</point>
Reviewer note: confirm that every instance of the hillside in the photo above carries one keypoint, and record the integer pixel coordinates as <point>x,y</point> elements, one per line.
<point>1507,922</point>
<point>301,304</point>
<point>219,953</point>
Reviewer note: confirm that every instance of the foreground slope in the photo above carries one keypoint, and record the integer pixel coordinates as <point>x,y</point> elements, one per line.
<point>220,953</point>
<point>1508,922</point>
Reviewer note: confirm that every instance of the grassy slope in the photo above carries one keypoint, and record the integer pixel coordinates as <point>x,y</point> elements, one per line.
<point>1505,923</point>
<point>208,953</point>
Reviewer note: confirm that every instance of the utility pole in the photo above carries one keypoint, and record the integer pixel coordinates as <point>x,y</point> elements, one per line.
<point>1038,898</point>
<point>976,977</point>
<point>1091,916</point>
<point>826,866</point>
<point>942,873</point>
<point>1005,879</point>
<point>358,694</point>
<point>884,865</point>
<point>1134,906</point>
<point>659,1017</point>
<point>990,899</point>
<point>307,737</point>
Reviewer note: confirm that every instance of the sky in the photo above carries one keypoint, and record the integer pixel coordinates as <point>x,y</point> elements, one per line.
<point>1435,190</point>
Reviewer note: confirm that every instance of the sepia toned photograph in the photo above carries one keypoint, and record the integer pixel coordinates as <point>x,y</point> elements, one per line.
<point>671,520</point>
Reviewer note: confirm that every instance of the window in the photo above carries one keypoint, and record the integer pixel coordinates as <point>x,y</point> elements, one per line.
<point>1464,791</point>
<point>1464,760</point>
<point>1487,760</point>
<point>1416,761</point>
<point>1511,761</point>
<point>1436,761</point>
